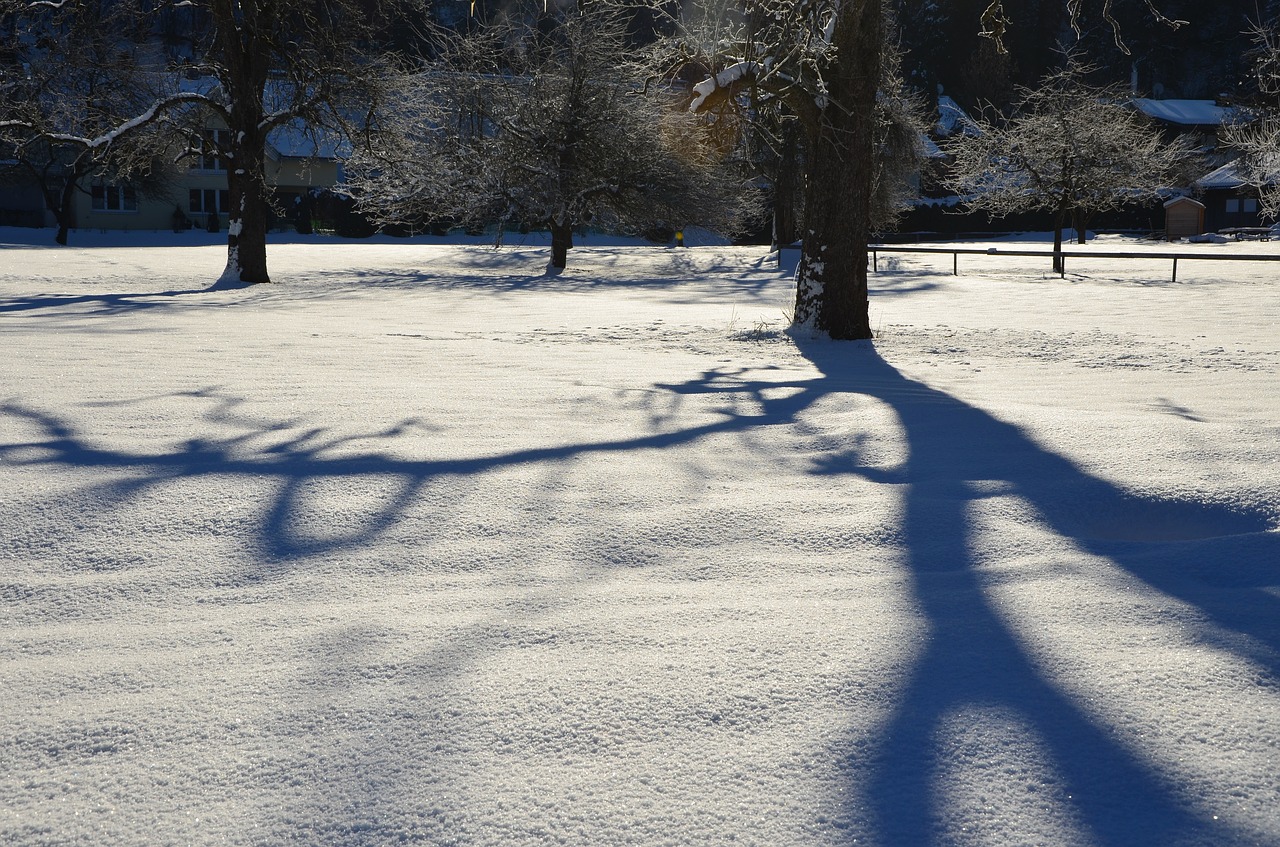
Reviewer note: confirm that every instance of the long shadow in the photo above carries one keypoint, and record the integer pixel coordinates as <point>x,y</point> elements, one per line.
<point>1186,549</point>
<point>109,304</point>
<point>972,659</point>
<point>278,451</point>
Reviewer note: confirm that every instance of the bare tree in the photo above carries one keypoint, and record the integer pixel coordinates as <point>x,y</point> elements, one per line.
<point>277,62</point>
<point>251,67</point>
<point>1068,148</point>
<point>82,105</point>
<point>544,126</point>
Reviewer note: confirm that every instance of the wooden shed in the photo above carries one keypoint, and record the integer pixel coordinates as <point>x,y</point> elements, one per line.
<point>1183,218</point>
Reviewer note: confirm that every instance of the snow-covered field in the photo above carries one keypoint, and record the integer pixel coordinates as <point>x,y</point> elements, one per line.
<point>419,546</point>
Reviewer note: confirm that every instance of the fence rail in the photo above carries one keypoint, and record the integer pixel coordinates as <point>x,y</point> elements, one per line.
<point>956,252</point>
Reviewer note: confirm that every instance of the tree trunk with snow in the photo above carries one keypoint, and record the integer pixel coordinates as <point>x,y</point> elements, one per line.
<point>831,282</point>
<point>244,54</point>
<point>247,215</point>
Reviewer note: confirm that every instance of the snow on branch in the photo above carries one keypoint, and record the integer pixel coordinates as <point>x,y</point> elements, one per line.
<point>726,79</point>
<point>114,134</point>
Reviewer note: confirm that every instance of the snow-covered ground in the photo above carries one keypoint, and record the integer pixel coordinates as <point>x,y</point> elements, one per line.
<point>419,546</point>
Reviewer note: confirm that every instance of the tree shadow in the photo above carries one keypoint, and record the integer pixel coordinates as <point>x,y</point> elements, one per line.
<point>292,456</point>
<point>519,270</point>
<point>112,303</point>
<point>971,658</point>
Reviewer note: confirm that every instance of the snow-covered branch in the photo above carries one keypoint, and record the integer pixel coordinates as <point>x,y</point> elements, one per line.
<point>723,84</point>
<point>122,129</point>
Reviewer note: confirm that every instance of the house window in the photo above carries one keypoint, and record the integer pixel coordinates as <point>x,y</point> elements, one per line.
<point>207,158</point>
<point>209,201</point>
<point>1251,206</point>
<point>114,198</point>
<point>1233,206</point>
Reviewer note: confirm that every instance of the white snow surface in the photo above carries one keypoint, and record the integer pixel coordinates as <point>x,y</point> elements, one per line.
<point>417,545</point>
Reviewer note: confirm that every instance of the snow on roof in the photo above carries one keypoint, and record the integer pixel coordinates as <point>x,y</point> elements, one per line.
<point>295,140</point>
<point>1227,176</point>
<point>1183,199</point>
<point>931,150</point>
<point>953,119</point>
<point>1185,112</point>
<point>1233,175</point>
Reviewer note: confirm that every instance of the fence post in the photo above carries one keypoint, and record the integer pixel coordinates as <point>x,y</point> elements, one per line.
<point>1175,269</point>
<point>955,264</point>
<point>875,263</point>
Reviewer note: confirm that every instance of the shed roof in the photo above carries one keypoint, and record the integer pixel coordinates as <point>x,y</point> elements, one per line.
<point>1227,176</point>
<point>1185,112</point>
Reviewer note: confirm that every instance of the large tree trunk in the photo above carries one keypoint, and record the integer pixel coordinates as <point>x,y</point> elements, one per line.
<point>245,62</point>
<point>561,244</point>
<point>831,282</point>
<point>247,216</point>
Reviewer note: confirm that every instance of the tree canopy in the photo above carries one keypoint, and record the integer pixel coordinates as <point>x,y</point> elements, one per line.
<point>524,126</point>
<point>1066,147</point>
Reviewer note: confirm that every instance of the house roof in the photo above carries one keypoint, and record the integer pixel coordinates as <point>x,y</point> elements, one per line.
<point>1227,176</point>
<point>952,119</point>
<point>295,140</point>
<point>1185,112</point>
<point>931,149</point>
<point>1175,200</point>
<point>292,140</point>
<point>1238,173</point>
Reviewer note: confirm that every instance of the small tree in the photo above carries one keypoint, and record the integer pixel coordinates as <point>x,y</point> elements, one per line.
<point>545,126</point>
<point>1067,148</point>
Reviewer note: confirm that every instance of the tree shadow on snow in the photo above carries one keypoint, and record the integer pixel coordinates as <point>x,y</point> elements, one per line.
<point>1217,559</point>
<point>108,304</point>
<point>510,270</point>
<point>1189,550</point>
<point>972,659</point>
